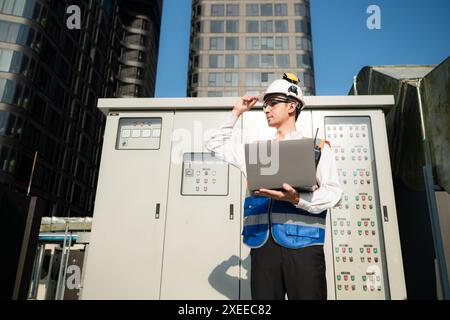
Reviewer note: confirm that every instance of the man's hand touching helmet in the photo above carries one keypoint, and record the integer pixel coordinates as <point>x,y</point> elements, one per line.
<point>244,104</point>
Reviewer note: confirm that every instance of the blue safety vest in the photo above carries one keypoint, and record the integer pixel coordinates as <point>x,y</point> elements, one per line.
<point>290,227</point>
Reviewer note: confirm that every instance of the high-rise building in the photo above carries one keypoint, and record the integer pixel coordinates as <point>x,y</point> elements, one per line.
<point>240,47</point>
<point>141,21</point>
<point>50,80</point>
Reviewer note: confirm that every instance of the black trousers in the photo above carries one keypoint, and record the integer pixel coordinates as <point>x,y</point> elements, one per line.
<point>299,273</point>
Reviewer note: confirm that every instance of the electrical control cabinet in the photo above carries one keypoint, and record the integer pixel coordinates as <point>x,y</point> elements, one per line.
<point>168,213</point>
<point>358,247</point>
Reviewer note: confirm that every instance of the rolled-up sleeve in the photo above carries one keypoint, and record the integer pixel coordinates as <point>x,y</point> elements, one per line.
<point>329,192</point>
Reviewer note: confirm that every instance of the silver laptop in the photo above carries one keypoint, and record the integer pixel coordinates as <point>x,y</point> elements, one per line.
<point>269,166</point>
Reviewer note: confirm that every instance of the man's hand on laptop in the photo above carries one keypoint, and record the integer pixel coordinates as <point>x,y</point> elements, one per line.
<point>244,104</point>
<point>290,195</point>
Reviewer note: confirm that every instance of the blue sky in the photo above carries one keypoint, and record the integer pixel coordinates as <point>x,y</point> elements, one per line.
<point>412,32</point>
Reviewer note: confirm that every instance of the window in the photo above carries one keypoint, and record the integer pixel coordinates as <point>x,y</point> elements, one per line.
<point>216,61</point>
<point>266,43</point>
<point>217,10</point>
<point>267,77</point>
<point>283,61</point>
<point>16,7</point>
<point>309,80</point>
<point>252,43</point>
<point>13,32</point>
<point>300,9</point>
<point>302,26</point>
<point>267,26</point>
<point>17,99</point>
<point>266,10</point>
<point>214,93</point>
<point>4,115</point>
<point>198,11</point>
<point>281,43</point>
<point>230,94</point>
<point>281,9</point>
<point>198,26</point>
<point>231,79</point>
<point>231,61</point>
<point>232,10</point>
<point>7,88</point>
<point>215,79</point>
<point>281,26</point>
<point>232,43</point>
<point>196,61</point>
<point>252,79</point>
<point>232,26</point>
<point>5,59</point>
<point>267,60</point>
<point>197,45</point>
<point>304,60</point>
<point>252,60</point>
<point>216,43</point>
<point>217,26</point>
<point>303,43</point>
<point>252,10</point>
<point>195,78</point>
<point>252,26</point>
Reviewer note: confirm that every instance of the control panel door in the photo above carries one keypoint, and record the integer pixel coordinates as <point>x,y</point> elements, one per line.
<point>125,255</point>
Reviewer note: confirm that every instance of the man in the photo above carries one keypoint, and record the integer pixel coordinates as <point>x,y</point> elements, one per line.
<point>285,229</point>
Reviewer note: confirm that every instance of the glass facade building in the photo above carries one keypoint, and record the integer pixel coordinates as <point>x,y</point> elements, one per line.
<point>239,47</point>
<point>50,80</point>
<point>141,22</point>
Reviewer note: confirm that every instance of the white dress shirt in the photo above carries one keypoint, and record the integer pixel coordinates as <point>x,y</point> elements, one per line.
<point>329,191</point>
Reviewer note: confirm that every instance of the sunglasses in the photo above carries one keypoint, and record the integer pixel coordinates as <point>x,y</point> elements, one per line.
<point>272,102</point>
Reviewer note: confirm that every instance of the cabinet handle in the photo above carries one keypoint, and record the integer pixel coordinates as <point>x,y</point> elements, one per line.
<point>157,211</point>
<point>385,214</point>
<point>231,211</point>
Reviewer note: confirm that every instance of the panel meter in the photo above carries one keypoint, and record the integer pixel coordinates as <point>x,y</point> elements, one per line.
<point>139,134</point>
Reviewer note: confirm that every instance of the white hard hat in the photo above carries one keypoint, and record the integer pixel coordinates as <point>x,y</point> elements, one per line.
<point>287,86</point>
